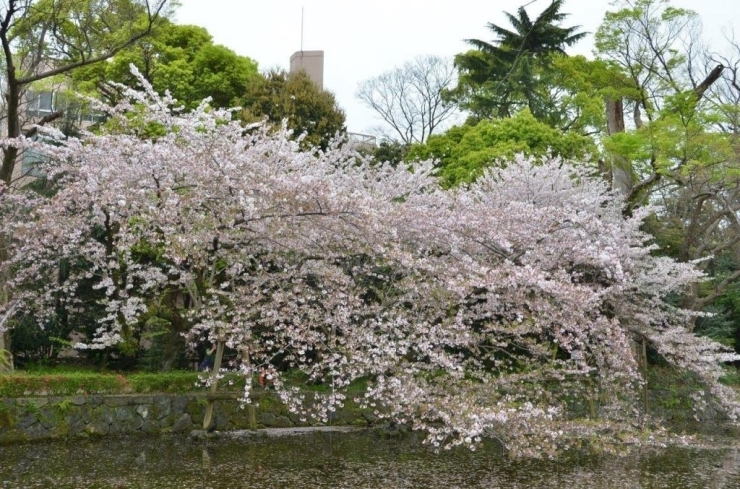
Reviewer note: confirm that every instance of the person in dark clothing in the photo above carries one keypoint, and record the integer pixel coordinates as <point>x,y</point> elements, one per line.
<point>208,360</point>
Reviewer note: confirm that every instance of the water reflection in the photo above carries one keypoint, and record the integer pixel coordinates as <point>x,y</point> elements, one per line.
<point>351,460</point>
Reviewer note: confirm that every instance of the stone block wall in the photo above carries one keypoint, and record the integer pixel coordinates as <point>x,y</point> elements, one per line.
<point>39,418</point>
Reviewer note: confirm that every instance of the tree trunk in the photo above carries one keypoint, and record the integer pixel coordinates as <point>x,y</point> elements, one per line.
<point>208,418</point>
<point>621,168</point>
<point>5,300</point>
<point>12,98</point>
<point>645,392</point>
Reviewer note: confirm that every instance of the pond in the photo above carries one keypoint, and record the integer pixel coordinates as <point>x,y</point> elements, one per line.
<point>348,460</point>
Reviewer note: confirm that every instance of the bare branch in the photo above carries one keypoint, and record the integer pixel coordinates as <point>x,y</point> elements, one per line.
<point>409,98</point>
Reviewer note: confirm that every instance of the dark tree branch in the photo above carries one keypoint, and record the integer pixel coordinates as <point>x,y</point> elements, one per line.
<point>45,120</point>
<point>708,81</point>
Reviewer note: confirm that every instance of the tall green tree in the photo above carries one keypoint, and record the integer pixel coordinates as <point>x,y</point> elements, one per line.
<point>672,140</point>
<point>295,98</point>
<point>42,39</point>
<point>657,48</point>
<point>499,78</point>
<point>181,59</point>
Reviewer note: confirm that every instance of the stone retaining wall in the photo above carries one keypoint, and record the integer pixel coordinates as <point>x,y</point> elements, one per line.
<point>54,417</point>
<point>38,418</point>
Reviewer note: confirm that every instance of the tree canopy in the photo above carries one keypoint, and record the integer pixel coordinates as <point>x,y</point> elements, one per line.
<point>42,39</point>
<point>182,59</point>
<point>295,98</point>
<point>464,152</point>
<point>497,79</point>
<point>410,98</point>
<point>461,309</point>
<point>45,39</point>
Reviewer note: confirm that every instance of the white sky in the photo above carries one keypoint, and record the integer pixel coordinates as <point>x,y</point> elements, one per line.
<point>363,39</point>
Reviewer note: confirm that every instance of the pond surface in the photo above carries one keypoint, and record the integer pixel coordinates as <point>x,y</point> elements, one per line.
<point>347,460</point>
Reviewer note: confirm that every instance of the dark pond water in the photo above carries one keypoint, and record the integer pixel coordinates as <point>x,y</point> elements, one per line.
<point>347,460</point>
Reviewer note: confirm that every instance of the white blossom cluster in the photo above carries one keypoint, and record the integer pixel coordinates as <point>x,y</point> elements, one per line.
<point>496,310</point>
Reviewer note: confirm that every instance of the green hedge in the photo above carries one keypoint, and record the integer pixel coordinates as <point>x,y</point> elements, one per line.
<point>74,383</point>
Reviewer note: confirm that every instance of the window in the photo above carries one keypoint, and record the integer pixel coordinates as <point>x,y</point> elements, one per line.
<point>93,116</point>
<point>30,161</point>
<point>39,104</point>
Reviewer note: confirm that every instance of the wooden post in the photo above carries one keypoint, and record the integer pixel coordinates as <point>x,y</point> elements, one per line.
<point>592,407</point>
<point>6,355</point>
<point>252,417</point>
<point>645,374</point>
<point>207,419</point>
<point>250,407</point>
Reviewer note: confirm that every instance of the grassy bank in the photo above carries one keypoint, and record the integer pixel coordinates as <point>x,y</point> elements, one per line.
<point>66,381</point>
<point>74,380</point>
<point>23,384</point>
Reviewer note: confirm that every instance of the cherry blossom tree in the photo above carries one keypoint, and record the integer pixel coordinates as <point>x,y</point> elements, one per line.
<point>507,309</point>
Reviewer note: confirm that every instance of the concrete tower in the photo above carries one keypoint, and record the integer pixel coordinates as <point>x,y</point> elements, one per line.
<point>312,62</point>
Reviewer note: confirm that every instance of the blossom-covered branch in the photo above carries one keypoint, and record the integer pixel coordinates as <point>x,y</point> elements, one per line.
<point>492,310</point>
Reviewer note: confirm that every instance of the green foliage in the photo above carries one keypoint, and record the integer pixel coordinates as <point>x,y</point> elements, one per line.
<point>5,359</point>
<point>157,329</point>
<point>61,381</point>
<point>22,385</point>
<point>659,18</point>
<point>80,29</point>
<point>499,79</point>
<point>162,328</point>
<point>720,326</point>
<point>31,407</point>
<point>181,59</point>
<point>31,343</point>
<point>723,324</point>
<point>681,150</point>
<point>43,383</point>
<point>732,377</point>
<point>175,381</point>
<point>7,420</point>
<point>464,151</point>
<point>577,87</point>
<point>666,377</point>
<point>393,152</point>
<point>675,146</point>
<point>63,406</point>
<point>295,98</point>
<point>220,74</point>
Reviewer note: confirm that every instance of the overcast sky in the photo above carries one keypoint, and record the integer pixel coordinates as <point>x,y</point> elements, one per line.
<point>362,39</point>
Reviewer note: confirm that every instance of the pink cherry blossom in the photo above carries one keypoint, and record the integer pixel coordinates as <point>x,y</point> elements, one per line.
<point>501,309</point>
